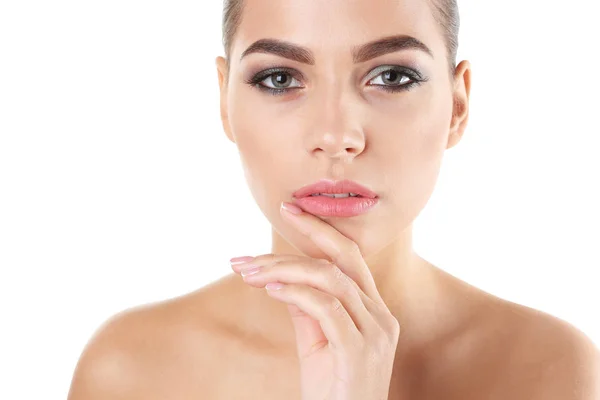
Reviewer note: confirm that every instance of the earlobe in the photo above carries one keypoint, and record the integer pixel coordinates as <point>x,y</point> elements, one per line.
<point>460,109</point>
<point>222,74</point>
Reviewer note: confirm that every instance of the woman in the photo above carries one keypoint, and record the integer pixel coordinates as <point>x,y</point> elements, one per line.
<point>360,99</point>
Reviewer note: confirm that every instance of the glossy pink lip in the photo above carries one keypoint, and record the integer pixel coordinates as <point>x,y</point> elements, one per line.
<point>330,187</point>
<point>332,207</point>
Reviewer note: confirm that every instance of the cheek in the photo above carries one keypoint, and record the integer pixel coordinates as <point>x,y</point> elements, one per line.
<point>412,139</point>
<point>262,134</point>
<point>261,127</point>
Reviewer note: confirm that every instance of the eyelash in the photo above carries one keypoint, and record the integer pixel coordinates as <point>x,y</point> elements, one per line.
<point>256,80</point>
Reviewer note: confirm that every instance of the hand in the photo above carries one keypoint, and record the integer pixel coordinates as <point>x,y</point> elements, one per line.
<point>346,336</point>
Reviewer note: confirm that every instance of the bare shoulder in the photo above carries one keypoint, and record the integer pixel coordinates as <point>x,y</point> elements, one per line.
<point>550,358</point>
<point>511,351</point>
<point>155,351</point>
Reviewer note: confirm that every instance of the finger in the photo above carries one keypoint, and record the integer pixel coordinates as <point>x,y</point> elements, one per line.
<point>338,327</point>
<point>270,259</point>
<point>324,276</point>
<point>344,252</point>
<point>261,260</point>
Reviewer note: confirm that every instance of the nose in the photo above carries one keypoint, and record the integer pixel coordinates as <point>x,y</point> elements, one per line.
<point>337,128</point>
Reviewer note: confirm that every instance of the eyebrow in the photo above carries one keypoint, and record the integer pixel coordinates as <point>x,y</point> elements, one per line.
<point>362,53</point>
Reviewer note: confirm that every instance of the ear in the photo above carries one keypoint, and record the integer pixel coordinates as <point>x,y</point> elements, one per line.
<point>460,109</point>
<point>223,73</point>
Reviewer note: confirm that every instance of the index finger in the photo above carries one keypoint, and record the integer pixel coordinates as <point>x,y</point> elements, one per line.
<point>343,251</point>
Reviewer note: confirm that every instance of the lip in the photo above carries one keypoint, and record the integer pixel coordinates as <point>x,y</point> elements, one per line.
<point>332,207</point>
<point>331,187</point>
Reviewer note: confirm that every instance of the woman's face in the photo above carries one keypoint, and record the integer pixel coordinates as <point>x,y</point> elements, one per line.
<point>333,117</point>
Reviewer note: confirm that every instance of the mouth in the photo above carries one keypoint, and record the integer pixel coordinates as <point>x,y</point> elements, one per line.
<point>335,189</point>
<point>336,195</point>
<point>335,199</point>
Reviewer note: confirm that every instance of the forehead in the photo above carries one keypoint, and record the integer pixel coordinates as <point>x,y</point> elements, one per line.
<point>328,26</point>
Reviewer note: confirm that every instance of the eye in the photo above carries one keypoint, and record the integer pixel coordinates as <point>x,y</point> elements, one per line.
<point>275,80</point>
<point>394,79</point>
<point>279,80</point>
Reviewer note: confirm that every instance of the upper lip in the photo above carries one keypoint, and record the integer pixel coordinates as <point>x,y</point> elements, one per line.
<point>331,187</point>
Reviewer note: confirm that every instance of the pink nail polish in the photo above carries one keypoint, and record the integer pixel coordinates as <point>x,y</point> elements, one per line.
<point>239,260</point>
<point>291,208</point>
<point>250,270</point>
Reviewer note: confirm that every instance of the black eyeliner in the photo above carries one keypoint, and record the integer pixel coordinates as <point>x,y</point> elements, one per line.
<point>414,76</point>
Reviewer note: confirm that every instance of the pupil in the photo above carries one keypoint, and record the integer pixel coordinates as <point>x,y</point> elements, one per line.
<point>394,75</point>
<point>280,78</point>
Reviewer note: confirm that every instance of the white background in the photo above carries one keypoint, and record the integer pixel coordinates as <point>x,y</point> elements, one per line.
<point>118,186</point>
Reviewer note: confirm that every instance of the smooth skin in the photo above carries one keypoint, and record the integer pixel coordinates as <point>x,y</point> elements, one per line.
<point>233,339</point>
<point>346,336</point>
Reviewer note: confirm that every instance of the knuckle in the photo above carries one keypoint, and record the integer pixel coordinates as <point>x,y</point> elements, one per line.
<point>383,343</point>
<point>337,275</point>
<point>391,326</point>
<point>385,333</point>
<point>383,310</point>
<point>334,306</point>
<point>340,282</point>
<point>394,327</point>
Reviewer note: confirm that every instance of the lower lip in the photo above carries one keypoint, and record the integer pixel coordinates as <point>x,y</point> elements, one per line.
<point>332,207</point>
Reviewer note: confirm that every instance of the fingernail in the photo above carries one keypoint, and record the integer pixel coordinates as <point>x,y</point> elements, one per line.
<point>239,260</point>
<point>291,208</point>
<point>273,286</point>
<point>250,270</point>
